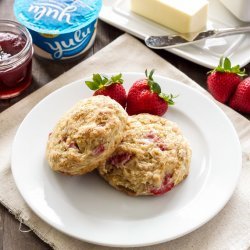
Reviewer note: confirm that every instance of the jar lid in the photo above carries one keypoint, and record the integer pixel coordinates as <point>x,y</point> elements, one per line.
<point>56,16</point>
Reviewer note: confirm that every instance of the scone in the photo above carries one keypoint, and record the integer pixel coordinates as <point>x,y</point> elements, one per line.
<point>152,158</point>
<point>86,135</point>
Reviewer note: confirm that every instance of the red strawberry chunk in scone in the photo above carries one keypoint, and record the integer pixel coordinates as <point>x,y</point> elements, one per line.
<point>119,159</point>
<point>73,145</point>
<point>63,139</point>
<point>98,150</point>
<point>166,186</point>
<point>152,135</point>
<point>155,138</point>
<point>162,146</point>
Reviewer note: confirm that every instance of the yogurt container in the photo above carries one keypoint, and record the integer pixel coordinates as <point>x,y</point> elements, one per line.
<point>61,29</point>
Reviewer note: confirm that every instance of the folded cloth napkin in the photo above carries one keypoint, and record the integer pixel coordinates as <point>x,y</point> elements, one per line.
<point>230,229</point>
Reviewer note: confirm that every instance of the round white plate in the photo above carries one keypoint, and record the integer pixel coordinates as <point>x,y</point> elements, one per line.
<point>87,208</point>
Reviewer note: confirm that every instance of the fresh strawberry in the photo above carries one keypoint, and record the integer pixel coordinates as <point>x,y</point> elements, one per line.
<point>145,96</point>
<point>241,99</point>
<point>224,79</point>
<point>109,87</point>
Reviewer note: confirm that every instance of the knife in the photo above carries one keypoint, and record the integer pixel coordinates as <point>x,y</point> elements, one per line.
<point>172,41</point>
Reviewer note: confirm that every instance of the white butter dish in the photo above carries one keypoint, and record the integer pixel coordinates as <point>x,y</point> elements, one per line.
<point>240,8</point>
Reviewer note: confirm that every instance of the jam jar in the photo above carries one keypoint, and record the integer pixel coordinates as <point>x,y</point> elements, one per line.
<point>15,58</point>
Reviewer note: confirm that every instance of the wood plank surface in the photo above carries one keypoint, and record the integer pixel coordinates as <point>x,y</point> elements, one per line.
<point>10,236</point>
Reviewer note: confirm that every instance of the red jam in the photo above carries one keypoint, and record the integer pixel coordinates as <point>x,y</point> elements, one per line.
<point>15,60</point>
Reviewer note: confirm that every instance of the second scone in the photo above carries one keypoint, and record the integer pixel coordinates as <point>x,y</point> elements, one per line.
<point>86,135</point>
<point>152,158</point>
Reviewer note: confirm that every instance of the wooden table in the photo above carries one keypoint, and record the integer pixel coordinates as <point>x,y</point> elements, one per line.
<point>10,236</point>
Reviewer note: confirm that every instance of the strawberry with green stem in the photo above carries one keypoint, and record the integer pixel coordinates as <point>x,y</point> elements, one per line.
<point>224,79</point>
<point>111,87</point>
<point>240,100</point>
<point>145,96</point>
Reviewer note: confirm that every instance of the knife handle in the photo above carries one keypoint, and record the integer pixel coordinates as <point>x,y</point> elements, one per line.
<point>232,31</point>
<point>172,41</point>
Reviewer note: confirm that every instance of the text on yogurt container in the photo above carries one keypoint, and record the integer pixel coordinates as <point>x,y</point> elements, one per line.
<point>54,10</point>
<point>59,47</point>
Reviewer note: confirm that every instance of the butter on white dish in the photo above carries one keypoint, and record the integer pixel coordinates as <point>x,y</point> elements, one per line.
<point>240,8</point>
<point>184,16</point>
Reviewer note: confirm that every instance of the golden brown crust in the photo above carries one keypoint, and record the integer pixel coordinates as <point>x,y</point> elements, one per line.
<point>86,135</point>
<point>152,148</point>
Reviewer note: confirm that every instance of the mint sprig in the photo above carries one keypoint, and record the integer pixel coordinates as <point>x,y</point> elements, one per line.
<point>156,88</point>
<point>99,82</point>
<point>225,66</point>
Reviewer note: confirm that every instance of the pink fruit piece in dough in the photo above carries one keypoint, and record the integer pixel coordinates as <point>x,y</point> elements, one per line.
<point>152,136</point>
<point>166,186</point>
<point>119,159</point>
<point>98,150</point>
<point>73,145</point>
<point>162,146</point>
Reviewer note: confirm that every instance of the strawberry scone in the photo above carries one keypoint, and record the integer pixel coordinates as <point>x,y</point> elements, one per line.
<point>86,135</point>
<point>152,158</point>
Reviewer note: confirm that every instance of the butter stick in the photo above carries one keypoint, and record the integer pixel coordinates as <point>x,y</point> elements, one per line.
<point>183,16</point>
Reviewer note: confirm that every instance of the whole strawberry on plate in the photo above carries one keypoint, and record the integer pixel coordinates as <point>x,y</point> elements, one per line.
<point>224,79</point>
<point>240,101</point>
<point>111,87</point>
<point>145,96</point>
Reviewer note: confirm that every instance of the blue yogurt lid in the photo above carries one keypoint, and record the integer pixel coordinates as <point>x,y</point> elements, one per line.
<point>56,16</point>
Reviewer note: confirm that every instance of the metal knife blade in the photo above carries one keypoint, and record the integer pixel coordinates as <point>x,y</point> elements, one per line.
<point>171,41</point>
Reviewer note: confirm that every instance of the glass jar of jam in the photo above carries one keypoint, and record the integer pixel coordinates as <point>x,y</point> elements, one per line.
<point>15,59</point>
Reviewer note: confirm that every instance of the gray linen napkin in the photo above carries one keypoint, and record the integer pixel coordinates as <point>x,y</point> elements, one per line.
<point>230,229</point>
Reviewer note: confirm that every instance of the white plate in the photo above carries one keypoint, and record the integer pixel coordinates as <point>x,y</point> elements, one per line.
<point>89,209</point>
<point>208,53</point>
